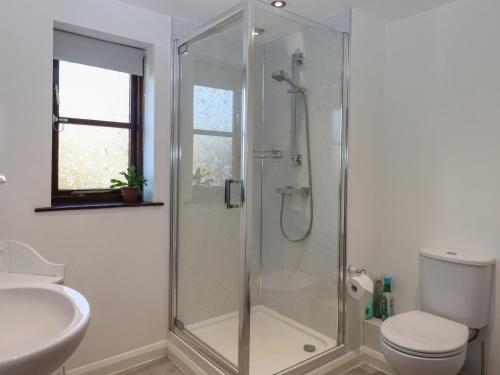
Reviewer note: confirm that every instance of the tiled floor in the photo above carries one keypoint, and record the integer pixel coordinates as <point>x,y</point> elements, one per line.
<point>167,368</point>
<point>163,367</point>
<point>364,370</point>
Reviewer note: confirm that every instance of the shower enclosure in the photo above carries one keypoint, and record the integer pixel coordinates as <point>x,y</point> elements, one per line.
<point>259,163</point>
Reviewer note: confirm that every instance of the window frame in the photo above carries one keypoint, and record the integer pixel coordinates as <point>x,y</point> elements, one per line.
<point>85,196</point>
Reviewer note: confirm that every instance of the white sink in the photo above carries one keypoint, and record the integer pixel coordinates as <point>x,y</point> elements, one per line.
<point>41,325</point>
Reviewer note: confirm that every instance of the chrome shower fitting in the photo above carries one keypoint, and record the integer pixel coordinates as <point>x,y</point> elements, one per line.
<point>296,158</point>
<point>281,75</point>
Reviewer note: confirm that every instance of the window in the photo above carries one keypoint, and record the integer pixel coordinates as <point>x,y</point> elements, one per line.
<point>214,136</point>
<point>97,132</point>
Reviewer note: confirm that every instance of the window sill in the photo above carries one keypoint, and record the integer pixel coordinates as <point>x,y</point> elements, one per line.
<point>95,206</point>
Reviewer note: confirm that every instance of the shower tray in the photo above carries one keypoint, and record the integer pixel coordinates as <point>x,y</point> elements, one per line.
<point>276,342</point>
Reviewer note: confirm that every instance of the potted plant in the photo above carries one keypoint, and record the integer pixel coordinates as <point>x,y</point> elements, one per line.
<point>132,185</point>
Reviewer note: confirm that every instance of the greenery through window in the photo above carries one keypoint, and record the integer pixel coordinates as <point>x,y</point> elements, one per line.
<point>96,130</point>
<point>213,134</point>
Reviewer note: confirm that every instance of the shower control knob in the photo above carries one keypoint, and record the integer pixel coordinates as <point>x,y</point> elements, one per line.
<point>296,159</point>
<point>3,179</point>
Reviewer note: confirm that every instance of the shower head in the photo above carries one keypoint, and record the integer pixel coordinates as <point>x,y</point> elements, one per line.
<point>281,75</point>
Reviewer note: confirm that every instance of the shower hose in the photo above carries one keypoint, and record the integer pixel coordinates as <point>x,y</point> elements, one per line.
<point>309,178</point>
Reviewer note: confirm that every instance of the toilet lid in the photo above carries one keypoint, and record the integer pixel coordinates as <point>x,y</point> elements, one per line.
<point>421,332</point>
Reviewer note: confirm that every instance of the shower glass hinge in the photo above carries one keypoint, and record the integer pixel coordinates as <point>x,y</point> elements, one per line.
<point>182,50</point>
<point>179,324</point>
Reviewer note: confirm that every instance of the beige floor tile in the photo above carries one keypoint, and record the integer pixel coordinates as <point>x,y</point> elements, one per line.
<point>163,367</point>
<point>364,369</point>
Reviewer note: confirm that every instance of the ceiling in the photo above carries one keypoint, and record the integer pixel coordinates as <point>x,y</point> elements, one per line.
<point>202,11</point>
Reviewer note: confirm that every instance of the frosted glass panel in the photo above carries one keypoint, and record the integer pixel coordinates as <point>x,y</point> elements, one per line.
<point>90,156</point>
<point>212,159</point>
<point>212,109</point>
<point>93,93</point>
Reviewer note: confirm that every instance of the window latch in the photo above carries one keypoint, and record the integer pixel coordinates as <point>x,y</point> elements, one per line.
<point>58,120</point>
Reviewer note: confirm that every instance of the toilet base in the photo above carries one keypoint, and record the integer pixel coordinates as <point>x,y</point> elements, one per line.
<point>405,364</point>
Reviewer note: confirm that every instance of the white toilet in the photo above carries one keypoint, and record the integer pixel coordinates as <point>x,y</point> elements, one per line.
<point>455,290</point>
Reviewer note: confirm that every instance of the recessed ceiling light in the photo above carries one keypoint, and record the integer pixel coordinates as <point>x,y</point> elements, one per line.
<point>278,3</point>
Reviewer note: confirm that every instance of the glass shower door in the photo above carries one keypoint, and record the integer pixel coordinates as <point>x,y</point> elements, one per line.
<point>208,191</point>
<point>297,174</point>
<point>259,165</point>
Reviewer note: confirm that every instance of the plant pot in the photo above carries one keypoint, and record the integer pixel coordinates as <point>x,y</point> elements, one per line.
<point>130,194</point>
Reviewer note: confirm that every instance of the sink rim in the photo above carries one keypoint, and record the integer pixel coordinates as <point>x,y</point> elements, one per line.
<point>78,323</point>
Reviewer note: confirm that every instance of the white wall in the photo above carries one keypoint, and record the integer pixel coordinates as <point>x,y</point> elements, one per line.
<point>440,176</point>
<point>118,257</point>
<point>365,122</point>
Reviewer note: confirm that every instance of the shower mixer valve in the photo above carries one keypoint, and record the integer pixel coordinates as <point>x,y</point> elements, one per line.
<point>296,159</point>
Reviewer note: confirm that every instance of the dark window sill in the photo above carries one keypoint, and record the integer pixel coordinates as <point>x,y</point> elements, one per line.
<point>95,206</point>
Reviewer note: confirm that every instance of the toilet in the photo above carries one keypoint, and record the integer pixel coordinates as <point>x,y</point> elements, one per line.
<point>455,288</point>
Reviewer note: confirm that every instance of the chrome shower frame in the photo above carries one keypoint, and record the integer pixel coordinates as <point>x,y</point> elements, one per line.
<point>198,351</point>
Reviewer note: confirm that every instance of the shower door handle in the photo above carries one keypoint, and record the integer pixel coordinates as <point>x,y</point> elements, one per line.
<point>227,193</point>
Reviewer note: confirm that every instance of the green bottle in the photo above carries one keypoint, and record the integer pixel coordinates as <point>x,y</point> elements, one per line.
<point>377,295</point>
<point>369,310</point>
<point>387,302</point>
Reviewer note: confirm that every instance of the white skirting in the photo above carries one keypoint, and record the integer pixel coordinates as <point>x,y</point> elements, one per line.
<point>123,361</point>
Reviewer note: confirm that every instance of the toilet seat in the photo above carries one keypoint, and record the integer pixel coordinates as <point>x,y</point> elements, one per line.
<point>424,335</point>
<point>423,355</point>
<point>407,364</point>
